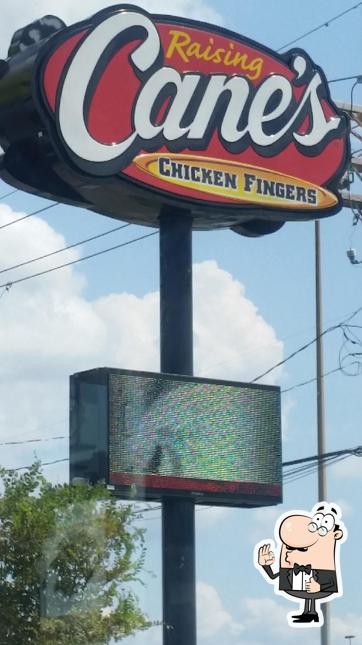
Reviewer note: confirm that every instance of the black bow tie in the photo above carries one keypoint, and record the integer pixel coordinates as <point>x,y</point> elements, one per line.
<point>298,568</point>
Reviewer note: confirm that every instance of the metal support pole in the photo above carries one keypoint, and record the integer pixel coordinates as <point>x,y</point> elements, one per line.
<point>176,292</point>
<point>178,516</point>
<point>322,482</point>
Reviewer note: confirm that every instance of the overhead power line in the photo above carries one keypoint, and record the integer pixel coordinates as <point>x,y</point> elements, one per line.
<point>326,23</point>
<point>311,380</point>
<point>326,457</point>
<point>310,469</point>
<point>40,440</point>
<point>66,248</point>
<point>310,465</point>
<point>349,336</point>
<point>304,347</point>
<point>45,463</point>
<point>5,290</point>
<point>347,78</point>
<point>341,367</point>
<point>8,194</point>
<point>20,219</point>
<point>21,442</point>
<point>293,354</point>
<point>86,257</point>
<point>304,467</point>
<point>346,451</point>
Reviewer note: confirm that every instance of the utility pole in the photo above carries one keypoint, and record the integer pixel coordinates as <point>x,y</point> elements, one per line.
<point>322,480</point>
<point>350,201</point>
<point>322,484</point>
<point>355,114</point>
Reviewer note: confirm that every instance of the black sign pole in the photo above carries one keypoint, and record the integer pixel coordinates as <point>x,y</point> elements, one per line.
<point>178,515</point>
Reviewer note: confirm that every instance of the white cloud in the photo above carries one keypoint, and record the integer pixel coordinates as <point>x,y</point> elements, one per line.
<point>268,616</point>
<point>17,14</point>
<point>262,522</point>
<point>212,516</point>
<point>288,404</point>
<point>212,616</point>
<point>350,468</point>
<point>349,624</point>
<point>346,507</point>
<point>264,623</point>
<point>49,330</point>
<point>215,624</point>
<point>231,339</point>
<point>266,517</point>
<point>255,611</point>
<point>152,636</point>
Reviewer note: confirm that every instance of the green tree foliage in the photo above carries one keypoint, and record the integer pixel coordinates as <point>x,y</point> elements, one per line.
<point>68,557</point>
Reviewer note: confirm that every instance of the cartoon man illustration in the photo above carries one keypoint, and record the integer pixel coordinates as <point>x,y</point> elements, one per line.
<point>309,567</point>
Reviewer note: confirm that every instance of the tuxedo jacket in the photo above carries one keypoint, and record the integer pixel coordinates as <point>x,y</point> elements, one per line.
<point>326,578</point>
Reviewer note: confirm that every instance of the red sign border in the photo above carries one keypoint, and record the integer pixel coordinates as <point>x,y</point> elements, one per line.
<point>195,486</point>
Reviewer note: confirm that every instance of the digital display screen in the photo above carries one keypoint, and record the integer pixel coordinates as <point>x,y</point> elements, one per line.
<point>152,436</point>
<point>196,435</point>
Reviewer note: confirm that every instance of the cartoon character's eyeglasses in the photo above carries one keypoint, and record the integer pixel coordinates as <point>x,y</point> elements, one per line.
<point>321,523</point>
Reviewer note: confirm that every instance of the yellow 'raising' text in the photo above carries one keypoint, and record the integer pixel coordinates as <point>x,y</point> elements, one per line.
<point>182,44</point>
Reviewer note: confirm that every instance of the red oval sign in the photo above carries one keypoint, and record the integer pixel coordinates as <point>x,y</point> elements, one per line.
<point>195,113</point>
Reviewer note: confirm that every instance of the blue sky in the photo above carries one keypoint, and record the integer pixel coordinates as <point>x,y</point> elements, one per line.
<point>105,311</point>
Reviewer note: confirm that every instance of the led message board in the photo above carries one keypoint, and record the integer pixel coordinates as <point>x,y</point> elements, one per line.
<point>147,110</point>
<point>152,435</point>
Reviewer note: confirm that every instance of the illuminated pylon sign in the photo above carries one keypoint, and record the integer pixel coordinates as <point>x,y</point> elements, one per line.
<point>156,109</point>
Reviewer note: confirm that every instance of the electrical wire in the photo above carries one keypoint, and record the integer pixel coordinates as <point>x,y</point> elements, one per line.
<point>311,380</point>
<point>344,355</point>
<point>336,453</point>
<point>148,509</point>
<point>8,194</point>
<point>291,476</point>
<point>47,439</point>
<point>20,219</point>
<point>45,463</point>
<point>309,344</point>
<point>41,428</point>
<point>346,78</point>
<point>66,248</point>
<point>346,452</point>
<point>86,257</point>
<point>305,466</point>
<point>352,90</point>
<point>21,442</point>
<point>348,352</point>
<point>310,465</point>
<point>205,371</point>
<point>311,471</point>
<point>326,23</point>
<point>24,441</point>
<point>5,290</point>
<point>295,353</point>
<point>308,469</point>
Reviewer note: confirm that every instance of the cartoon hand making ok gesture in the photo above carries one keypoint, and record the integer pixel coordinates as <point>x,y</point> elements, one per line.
<point>265,556</point>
